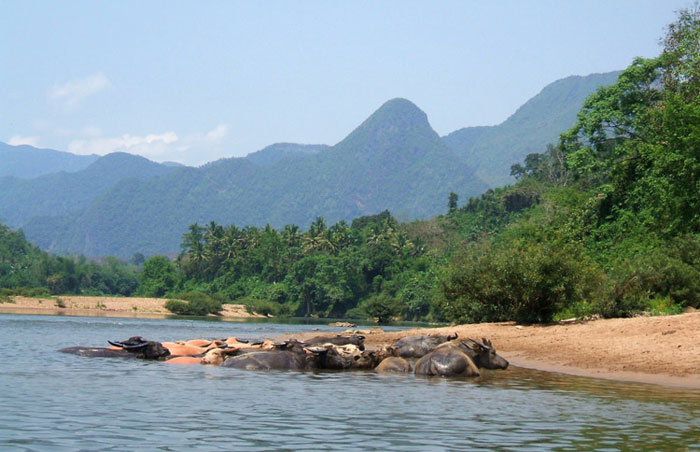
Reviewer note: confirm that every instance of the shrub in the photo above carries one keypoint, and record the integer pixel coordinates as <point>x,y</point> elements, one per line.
<point>671,271</point>
<point>195,303</point>
<point>267,307</point>
<point>34,292</point>
<point>528,283</point>
<point>381,307</point>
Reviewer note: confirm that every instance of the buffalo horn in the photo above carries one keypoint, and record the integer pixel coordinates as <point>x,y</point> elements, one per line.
<point>480,344</point>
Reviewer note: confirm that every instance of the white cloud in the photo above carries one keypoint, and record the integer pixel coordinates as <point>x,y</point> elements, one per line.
<point>72,93</point>
<point>150,146</point>
<point>18,140</point>
<point>192,149</point>
<point>217,133</point>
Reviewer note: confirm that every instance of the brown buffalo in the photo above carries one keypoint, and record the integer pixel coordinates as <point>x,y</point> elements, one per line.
<point>393,364</point>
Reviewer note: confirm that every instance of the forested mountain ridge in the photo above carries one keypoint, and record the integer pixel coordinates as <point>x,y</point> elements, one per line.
<point>491,150</point>
<point>392,160</point>
<point>280,151</point>
<point>61,193</point>
<point>26,162</point>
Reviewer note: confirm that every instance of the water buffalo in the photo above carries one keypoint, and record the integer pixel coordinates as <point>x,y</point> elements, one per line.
<point>134,347</point>
<point>394,364</point>
<point>291,355</point>
<point>447,360</point>
<point>484,354</point>
<point>357,340</point>
<point>98,352</point>
<point>418,346</point>
<point>341,357</point>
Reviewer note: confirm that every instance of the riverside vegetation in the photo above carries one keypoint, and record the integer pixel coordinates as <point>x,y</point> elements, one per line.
<point>605,221</point>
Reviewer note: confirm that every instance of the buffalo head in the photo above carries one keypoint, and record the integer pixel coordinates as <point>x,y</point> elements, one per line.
<point>142,348</point>
<point>484,354</point>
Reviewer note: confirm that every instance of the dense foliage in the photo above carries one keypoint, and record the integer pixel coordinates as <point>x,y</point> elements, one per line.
<point>24,266</point>
<point>608,220</point>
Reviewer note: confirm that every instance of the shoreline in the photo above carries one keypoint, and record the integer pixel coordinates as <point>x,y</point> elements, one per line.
<point>125,307</point>
<point>661,350</point>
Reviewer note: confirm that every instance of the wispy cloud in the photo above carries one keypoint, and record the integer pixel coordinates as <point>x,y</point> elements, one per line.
<point>72,93</point>
<point>151,145</point>
<point>18,140</point>
<point>191,149</point>
<point>217,133</point>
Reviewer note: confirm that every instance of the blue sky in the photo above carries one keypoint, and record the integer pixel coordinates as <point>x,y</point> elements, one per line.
<point>197,81</point>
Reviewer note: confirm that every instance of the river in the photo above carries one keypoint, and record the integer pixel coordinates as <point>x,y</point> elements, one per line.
<point>54,401</point>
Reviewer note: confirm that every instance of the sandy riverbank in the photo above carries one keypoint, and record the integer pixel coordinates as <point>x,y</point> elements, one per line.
<point>660,350</point>
<point>105,307</point>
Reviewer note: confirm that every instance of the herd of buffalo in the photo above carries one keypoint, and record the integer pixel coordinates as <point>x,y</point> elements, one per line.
<point>430,355</point>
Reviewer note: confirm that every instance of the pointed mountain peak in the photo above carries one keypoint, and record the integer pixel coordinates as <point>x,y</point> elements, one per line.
<point>398,113</point>
<point>392,126</point>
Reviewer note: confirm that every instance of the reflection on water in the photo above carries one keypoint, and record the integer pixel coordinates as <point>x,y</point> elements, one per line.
<point>52,401</point>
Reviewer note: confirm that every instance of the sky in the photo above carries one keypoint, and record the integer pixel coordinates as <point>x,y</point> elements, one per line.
<point>195,81</point>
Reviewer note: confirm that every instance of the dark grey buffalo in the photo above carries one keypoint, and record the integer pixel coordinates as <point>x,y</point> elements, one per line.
<point>337,357</point>
<point>295,355</point>
<point>98,352</point>
<point>356,340</point>
<point>289,355</point>
<point>460,359</point>
<point>413,347</point>
<point>484,354</point>
<point>447,360</point>
<point>134,347</point>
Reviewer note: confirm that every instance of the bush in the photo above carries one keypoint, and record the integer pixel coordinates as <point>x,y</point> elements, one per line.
<point>34,292</point>
<point>267,307</point>
<point>381,307</point>
<point>195,303</point>
<point>528,283</point>
<point>671,271</point>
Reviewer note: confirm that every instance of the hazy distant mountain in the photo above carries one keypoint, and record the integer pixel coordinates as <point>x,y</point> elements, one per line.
<point>27,161</point>
<point>63,193</point>
<point>280,151</point>
<point>492,150</point>
<point>394,160</point>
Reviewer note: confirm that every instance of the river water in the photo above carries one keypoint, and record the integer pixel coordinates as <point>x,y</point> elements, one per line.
<point>54,401</point>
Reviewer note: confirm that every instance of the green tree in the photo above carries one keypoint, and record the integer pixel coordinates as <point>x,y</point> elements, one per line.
<point>452,202</point>
<point>158,277</point>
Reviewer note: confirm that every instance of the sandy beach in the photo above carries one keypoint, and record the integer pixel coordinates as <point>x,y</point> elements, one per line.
<point>106,307</point>
<point>660,350</point>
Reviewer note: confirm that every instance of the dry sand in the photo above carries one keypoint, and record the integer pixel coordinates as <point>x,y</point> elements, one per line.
<point>105,307</point>
<point>662,350</point>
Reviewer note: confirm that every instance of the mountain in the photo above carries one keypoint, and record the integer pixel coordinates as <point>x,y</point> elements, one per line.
<point>279,151</point>
<point>63,193</point>
<point>27,162</point>
<point>492,150</point>
<point>394,160</point>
